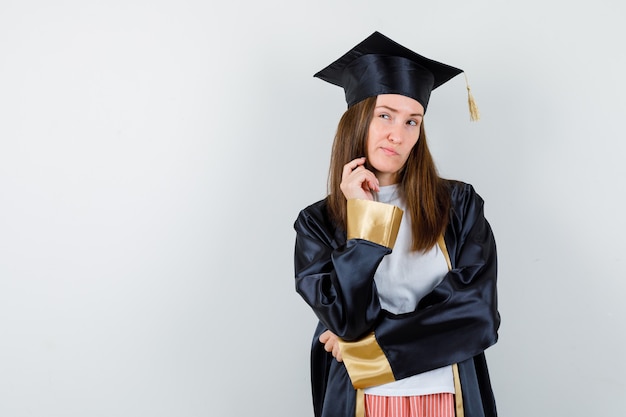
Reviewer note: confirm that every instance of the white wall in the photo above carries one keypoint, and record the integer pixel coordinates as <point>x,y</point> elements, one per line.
<point>154,155</point>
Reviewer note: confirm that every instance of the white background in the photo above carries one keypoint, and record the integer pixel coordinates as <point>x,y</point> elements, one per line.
<point>154,155</point>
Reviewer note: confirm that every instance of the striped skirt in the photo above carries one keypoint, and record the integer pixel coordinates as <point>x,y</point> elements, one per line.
<point>434,405</point>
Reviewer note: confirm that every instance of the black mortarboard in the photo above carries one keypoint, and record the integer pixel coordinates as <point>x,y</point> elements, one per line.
<point>379,65</point>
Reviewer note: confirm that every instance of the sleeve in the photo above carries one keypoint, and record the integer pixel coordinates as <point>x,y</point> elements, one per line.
<point>337,281</point>
<point>456,321</point>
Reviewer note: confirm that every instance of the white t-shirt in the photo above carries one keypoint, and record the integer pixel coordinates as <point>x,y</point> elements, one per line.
<point>402,279</point>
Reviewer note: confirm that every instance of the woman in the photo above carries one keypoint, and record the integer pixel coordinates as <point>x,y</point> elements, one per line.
<point>398,264</point>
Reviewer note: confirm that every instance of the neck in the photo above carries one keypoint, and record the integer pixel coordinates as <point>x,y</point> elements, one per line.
<point>387,179</point>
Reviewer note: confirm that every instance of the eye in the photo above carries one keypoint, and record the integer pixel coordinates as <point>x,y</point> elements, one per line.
<point>384,116</point>
<point>412,123</point>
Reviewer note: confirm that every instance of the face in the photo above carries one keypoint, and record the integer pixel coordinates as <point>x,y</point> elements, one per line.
<point>393,133</point>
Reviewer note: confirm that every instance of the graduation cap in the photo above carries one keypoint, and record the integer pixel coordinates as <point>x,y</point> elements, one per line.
<point>379,65</point>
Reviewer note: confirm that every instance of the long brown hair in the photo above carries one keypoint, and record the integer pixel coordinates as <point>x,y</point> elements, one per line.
<point>426,194</point>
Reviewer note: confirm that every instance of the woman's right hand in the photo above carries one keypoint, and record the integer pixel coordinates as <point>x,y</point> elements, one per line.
<point>357,181</point>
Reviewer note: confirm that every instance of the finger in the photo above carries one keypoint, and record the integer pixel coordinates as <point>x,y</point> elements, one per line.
<point>359,184</point>
<point>374,184</point>
<point>368,181</point>
<point>352,165</point>
<point>356,162</point>
<point>360,175</point>
<point>337,353</point>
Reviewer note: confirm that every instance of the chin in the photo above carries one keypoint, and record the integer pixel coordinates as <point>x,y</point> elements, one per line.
<point>390,170</point>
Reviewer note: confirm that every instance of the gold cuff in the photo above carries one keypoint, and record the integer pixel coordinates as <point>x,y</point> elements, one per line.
<point>365,362</point>
<point>373,221</point>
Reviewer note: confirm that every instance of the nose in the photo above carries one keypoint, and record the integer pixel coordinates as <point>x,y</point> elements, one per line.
<point>395,133</point>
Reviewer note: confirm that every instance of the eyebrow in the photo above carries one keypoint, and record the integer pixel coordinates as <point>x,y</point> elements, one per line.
<point>397,111</point>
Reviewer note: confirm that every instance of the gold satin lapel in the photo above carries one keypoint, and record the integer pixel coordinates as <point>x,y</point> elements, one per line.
<point>444,250</point>
<point>359,410</point>
<point>458,393</point>
<point>373,221</point>
<point>365,362</point>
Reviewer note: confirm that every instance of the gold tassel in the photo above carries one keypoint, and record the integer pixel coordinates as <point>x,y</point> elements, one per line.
<point>473,108</point>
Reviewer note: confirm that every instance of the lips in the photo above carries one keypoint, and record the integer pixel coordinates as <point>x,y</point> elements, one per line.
<point>389,151</point>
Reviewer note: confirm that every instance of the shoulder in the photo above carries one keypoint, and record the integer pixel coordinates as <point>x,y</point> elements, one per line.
<point>460,190</point>
<point>316,211</point>
<point>464,197</point>
<point>314,216</point>
<point>314,222</point>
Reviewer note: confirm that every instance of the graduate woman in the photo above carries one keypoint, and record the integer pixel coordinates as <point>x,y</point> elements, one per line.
<point>398,264</point>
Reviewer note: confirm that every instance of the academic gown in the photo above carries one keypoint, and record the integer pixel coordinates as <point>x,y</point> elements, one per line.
<point>452,325</point>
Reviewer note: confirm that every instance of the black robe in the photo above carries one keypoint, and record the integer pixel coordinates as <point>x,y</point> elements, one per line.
<point>454,323</point>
